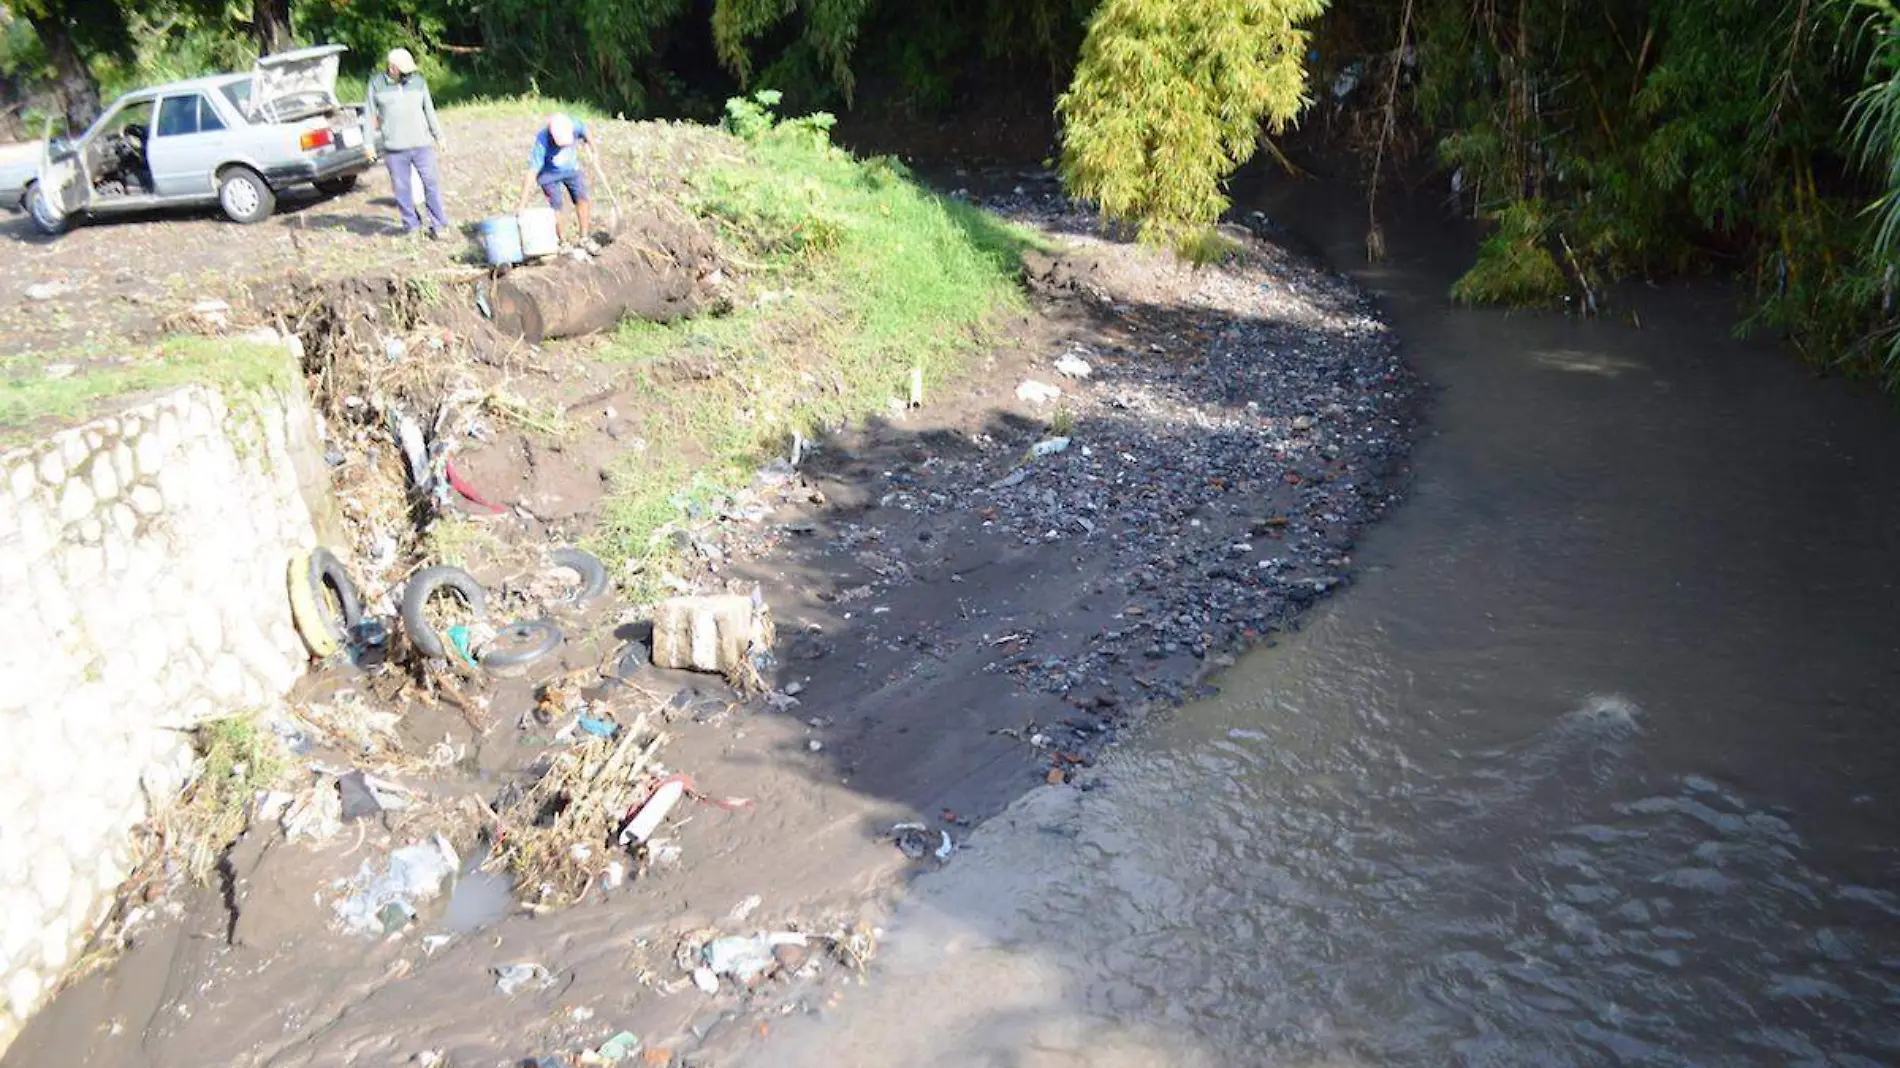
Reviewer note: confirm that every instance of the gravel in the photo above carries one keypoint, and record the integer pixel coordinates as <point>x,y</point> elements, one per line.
<point>1233,433</point>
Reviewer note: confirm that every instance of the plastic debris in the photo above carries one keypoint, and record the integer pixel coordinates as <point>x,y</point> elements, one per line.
<point>744,959</point>
<point>654,812</point>
<point>1037,392</point>
<point>596,727</point>
<point>1049,448</point>
<point>383,904</point>
<point>415,450</point>
<point>510,978</point>
<point>359,800</point>
<point>618,1048</point>
<point>743,910</point>
<point>915,841</point>
<point>316,814</point>
<point>1014,478</point>
<point>1074,367</point>
<point>369,645</point>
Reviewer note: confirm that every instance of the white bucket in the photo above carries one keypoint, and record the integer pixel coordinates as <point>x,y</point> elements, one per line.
<point>540,232</point>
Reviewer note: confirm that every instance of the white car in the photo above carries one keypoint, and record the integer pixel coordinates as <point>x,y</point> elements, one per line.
<point>234,140</point>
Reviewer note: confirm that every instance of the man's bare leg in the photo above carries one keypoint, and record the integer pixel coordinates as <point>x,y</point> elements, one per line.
<point>585,208</point>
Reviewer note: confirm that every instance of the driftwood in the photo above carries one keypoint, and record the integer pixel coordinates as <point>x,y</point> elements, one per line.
<point>652,271</point>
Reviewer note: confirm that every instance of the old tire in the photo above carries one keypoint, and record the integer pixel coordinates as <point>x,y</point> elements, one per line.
<point>245,196</point>
<point>592,572</point>
<point>44,219</point>
<point>425,584</point>
<point>327,579</point>
<point>305,612</point>
<point>521,643</point>
<point>336,187</point>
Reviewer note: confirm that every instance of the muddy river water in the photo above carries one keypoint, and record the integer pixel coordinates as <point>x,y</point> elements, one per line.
<point>1597,763</point>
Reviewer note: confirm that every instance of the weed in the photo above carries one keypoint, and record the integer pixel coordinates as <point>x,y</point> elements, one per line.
<point>459,541</point>
<point>862,275</point>
<point>546,419</point>
<point>1515,265</point>
<point>236,758</point>
<point>1062,423</point>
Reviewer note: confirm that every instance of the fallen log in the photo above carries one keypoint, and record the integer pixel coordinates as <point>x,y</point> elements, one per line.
<point>653,271</point>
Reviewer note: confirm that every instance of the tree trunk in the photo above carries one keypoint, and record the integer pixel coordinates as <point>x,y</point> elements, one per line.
<point>270,25</point>
<point>12,103</point>
<point>653,273</point>
<point>78,90</point>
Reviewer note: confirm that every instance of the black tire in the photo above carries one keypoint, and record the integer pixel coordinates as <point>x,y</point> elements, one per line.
<point>328,576</point>
<point>425,585</point>
<point>43,219</point>
<point>593,573</point>
<point>529,640</point>
<point>336,187</point>
<point>245,196</point>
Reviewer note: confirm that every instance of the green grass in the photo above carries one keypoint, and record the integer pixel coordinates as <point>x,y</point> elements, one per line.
<point>237,757</point>
<point>857,275</point>
<point>29,396</point>
<point>526,106</point>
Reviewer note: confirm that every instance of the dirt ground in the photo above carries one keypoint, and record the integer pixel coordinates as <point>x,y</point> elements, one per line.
<point>959,621</point>
<point>107,287</point>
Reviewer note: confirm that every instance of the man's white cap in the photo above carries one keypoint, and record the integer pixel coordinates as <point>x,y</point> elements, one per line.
<point>561,130</point>
<point>402,61</point>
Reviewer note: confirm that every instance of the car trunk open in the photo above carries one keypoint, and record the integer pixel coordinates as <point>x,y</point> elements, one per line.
<point>294,85</point>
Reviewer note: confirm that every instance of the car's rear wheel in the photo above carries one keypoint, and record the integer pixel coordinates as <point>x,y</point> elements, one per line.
<point>245,196</point>
<point>45,219</point>
<point>336,187</point>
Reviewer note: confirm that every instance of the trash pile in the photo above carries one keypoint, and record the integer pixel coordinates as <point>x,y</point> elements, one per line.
<point>382,902</point>
<point>587,816</point>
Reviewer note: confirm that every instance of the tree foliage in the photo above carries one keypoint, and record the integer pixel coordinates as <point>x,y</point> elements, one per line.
<point>1169,99</point>
<point>1602,139</point>
<point>1873,126</point>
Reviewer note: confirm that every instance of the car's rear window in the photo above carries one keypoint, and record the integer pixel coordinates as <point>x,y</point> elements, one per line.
<point>239,94</point>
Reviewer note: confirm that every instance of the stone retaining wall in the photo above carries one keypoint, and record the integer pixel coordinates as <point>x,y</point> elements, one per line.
<point>142,578</point>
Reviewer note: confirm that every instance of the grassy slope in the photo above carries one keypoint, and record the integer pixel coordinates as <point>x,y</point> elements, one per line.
<point>858,276</point>
<point>31,397</point>
<point>853,274</point>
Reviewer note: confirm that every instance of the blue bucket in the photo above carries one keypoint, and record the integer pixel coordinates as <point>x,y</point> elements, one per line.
<point>501,240</point>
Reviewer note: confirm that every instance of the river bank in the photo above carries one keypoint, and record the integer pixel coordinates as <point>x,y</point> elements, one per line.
<point>973,599</point>
<point>1591,767</point>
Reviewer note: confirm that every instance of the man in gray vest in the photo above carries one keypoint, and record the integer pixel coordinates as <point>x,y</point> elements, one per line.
<point>398,103</point>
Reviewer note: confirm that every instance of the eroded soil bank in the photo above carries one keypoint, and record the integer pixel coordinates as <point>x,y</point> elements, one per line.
<point>972,598</point>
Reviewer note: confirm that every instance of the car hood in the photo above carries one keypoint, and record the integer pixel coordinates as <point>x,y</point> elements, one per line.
<point>290,85</point>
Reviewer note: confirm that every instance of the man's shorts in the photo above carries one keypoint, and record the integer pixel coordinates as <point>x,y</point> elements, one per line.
<point>575,185</point>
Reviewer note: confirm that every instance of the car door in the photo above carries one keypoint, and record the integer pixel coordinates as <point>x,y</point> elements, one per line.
<point>186,146</point>
<point>60,182</point>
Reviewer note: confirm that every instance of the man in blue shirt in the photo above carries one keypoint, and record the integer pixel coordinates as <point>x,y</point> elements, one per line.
<point>555,165</point>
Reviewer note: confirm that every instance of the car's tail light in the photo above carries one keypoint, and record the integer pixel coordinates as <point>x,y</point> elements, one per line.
<point>314,139</point>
